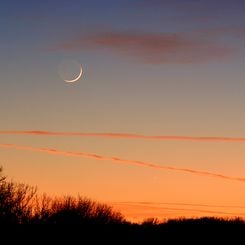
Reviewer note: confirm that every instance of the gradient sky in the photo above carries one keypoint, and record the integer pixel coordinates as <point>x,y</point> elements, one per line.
<point>151,67</point>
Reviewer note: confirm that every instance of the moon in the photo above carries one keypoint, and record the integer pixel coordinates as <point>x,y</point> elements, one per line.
<point>70,71</point>
<point>77,78</point>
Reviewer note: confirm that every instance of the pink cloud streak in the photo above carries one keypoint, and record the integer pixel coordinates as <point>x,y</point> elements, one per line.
<point>155,48</point>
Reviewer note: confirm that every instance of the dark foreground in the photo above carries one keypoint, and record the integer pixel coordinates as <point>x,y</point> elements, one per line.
<point>194,231</point>
<point>28,218</point>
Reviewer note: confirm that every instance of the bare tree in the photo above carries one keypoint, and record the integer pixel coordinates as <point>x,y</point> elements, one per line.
<point>16,201</point>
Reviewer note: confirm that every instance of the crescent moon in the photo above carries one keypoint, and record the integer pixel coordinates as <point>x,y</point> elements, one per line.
<point>77,78</point>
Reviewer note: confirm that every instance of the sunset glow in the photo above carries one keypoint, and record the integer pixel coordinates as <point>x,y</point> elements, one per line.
<point>153,121</point>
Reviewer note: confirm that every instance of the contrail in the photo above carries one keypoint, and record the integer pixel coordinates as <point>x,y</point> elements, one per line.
<point>182,209</point>
<point>122,161</point>
<point>129,136</point>
<point>181,204</point>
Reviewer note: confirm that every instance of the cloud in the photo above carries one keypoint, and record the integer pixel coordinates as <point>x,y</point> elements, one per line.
<point>181,204</point>
<point>123,161</point>
<point>151,208</point>
<point>159,48</point>
<point>130,136</point>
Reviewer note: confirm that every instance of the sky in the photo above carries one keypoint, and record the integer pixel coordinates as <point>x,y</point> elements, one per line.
<point>155,125</point>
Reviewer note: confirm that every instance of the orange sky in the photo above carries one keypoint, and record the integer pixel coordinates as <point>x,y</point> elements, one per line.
<point>73,170</point>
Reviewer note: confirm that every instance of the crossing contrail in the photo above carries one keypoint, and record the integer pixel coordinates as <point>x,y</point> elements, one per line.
<point>123,161</point>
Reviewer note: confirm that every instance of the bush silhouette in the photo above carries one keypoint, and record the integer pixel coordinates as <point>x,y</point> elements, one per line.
<point>150,222</point>
<point>70,210</point>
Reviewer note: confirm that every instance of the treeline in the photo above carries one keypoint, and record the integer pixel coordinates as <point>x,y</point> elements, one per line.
<point>20,204</point>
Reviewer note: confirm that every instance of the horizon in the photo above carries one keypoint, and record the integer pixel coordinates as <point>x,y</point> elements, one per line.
<point>137,104</point>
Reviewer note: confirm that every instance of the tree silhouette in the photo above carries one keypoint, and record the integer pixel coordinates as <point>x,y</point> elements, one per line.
<point>16,201</point>
<point>20,204</point>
